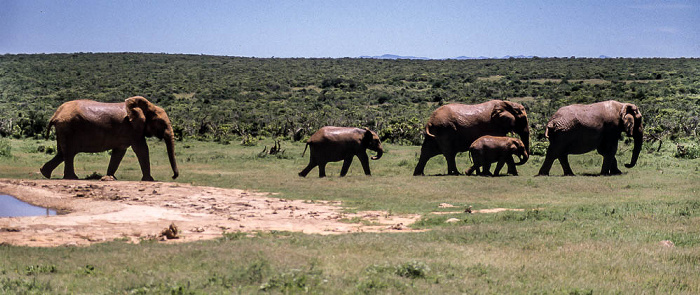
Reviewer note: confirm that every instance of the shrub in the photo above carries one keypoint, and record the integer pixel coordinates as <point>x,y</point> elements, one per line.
<point>5,148</point>
<point>687,151</point>
<point>412,270</point>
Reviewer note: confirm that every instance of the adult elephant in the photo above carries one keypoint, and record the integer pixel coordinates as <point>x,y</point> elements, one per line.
<point>578,129</point>
<point>85,126</point>
<point>332,144</point>
<point>452,128</point>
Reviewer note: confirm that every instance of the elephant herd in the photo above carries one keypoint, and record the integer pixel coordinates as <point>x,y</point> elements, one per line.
<point>481,129</point>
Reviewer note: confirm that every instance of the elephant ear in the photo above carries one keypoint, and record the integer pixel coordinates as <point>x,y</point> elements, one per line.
<point>513,146</point>
<point>134,110</point>
<point>629,114</point>
<point>367,137</point>
<point>502,115</point>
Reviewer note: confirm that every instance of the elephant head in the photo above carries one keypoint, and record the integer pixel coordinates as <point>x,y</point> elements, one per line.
<point>516,147</point>
<point>371,141</point>
<point>150,120</point>
<point>632,125</point>
<point>511,116</point>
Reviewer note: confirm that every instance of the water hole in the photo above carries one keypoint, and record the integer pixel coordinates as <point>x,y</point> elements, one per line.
<point>13,207</point>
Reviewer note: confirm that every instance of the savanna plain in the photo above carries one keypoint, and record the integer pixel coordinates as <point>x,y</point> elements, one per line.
<point>634,233</point>
<point>583,234</point>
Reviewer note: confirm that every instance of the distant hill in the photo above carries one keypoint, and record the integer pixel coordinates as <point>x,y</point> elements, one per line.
<point>393,56</point>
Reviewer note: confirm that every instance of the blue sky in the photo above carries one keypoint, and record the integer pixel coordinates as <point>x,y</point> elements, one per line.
<point>311,28</point>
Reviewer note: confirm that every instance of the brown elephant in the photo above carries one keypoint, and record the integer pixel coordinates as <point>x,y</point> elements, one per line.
<point>578,129</point>
<point>332,144</point>
<point>452,128</point>
<point>491,149</point>
<point>85,126</point>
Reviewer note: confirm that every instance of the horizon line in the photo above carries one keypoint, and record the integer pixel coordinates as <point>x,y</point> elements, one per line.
<point>383,56</point>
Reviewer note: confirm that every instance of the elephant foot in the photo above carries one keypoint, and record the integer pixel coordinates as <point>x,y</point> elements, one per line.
<point>147,178</point>
<point>108,178</point>
<point>71,177</point>
<point>45,172</point>
<point>302,175</point>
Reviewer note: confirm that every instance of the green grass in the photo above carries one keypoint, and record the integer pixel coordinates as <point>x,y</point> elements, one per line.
<point>578,235</point>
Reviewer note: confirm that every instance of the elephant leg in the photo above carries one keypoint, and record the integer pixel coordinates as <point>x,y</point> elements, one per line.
<point>49,166</point>
<point>141,151</point>
<point>564,161</point>
<point>547,164</point>
<point>613,166</point>
<point>308,168</point>
<point>346,165</point>
<point>610,166</point>
<point>68,168</point>
<point>450,157</point>
<point>322,170</point>
<point>364,160</point>
<point>471,170</point>
<point>511,166</point>
<point>427,151</point>
<point>486,169</point>
<point>499,166</point>
<point>114,160</point>
<point>608,150</point>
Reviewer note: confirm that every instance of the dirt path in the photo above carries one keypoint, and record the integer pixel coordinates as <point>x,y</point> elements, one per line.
<point>97,211</point>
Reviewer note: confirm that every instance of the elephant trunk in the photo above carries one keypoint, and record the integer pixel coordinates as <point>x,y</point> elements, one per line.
<point>523,158</point>
<point>638,139</point>
<point>169,139</point>
<point>525,138</point>
<point>380,152</point>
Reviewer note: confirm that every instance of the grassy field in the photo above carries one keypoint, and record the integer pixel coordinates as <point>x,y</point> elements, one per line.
<point>578,235</point>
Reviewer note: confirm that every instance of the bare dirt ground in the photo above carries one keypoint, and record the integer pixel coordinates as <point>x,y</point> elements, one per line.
<point>98,211</point>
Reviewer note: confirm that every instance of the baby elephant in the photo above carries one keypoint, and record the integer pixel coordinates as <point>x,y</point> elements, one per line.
<point>490,149</point>
<point>332,144</point>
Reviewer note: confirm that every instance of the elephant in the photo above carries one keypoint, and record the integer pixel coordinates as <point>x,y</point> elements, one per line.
<point>86,126</point>
<point>490,149</point>
<point>578,129</point>
<point>332,144</point>
<point>452,128</point>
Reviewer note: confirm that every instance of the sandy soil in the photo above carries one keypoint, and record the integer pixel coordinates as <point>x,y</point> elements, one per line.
<point>97,211</point>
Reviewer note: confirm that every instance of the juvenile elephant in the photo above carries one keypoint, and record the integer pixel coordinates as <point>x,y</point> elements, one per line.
<point>491,149</point>
<point>332,144</point>
<point>578,129</point>
<point>85,126</point>
<point>452,128</point>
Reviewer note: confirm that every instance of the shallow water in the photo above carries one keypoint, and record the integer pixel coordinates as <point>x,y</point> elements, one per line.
<point>13,207</point>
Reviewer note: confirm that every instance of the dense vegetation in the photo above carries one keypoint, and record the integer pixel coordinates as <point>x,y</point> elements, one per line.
<point>222,98</point>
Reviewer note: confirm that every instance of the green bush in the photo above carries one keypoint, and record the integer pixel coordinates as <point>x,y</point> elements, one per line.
<point>687,151</point>
<point>5,148</point>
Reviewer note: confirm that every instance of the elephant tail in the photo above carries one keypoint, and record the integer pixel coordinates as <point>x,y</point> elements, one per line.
<point>427,130</point>
<point>304,152</point>
<point>550,125</point>
<point>48,128</point>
